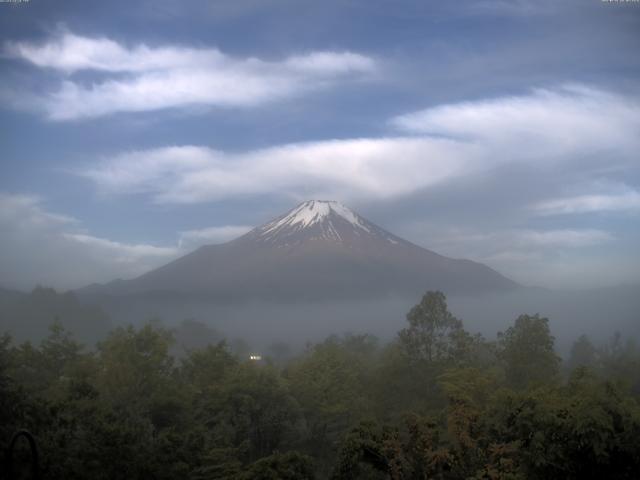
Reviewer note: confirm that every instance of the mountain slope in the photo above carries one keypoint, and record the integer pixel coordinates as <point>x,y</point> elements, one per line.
<point>318,250</point>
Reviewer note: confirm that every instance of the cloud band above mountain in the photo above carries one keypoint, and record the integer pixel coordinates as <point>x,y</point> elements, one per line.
<point>544,129</point>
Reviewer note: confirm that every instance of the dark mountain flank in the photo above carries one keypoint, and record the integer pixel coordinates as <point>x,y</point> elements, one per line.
<point>319,250</point>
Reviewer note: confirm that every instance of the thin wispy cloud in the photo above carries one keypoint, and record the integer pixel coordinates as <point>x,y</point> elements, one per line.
<point>628,201</point>
<point>142,78</point>
<point>122,252</point>
<point>41,246</point>
<point>565,238</point>
<point>26,212</point>
<point>456,241</point>
<point>530,256</point>
<point>518,8</point>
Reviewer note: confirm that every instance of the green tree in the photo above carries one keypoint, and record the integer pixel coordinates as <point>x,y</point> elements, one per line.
<point>136,364</point>
<point>434,334</point>
<point>15,404</point>
<point>330,384</point>
<point>370,451</point>
<point>527,351</point>
<point>587,429</point>
<point>414,449</point>
<point>204,370</point>
<point>434,341</point>
<point>280,466</point>
<point>260,409</point>
<point>47,369</point>
<point>473,452</point>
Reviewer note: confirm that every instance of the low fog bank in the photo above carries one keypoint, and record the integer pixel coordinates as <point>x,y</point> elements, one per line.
<point>596,313</point>
<point>262,324</point>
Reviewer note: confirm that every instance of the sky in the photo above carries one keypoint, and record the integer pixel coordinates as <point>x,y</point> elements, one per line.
<point>506,132</point>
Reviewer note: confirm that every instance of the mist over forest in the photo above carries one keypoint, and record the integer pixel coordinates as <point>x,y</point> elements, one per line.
<point>597,313</point>
<point>433,400</point>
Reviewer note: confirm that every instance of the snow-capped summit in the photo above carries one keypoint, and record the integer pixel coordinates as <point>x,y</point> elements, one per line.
<point>315,211</point>
<point>326,220</point>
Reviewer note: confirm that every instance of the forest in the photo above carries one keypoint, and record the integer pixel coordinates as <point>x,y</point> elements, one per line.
<point>435,402</point>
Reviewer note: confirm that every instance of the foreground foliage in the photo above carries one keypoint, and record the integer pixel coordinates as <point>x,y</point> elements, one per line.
<point>436,403</point>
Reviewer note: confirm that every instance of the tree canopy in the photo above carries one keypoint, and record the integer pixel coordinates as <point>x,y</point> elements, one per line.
<point>436,402</point>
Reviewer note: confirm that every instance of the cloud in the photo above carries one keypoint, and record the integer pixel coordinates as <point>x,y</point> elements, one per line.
<point>562,270</point>
<point>25,212</point>
<point>564,238</point>
<point>543,129</point>
<point>122,252</point>
<point>71,53</point>
<point>512,7</point>
<point>544,257</point>
<point>143,78</point>
<point>628,201</point>
<point>546,124</point>
<point>211,235</point>
<point>522,241</point>
<point>41,247</point>
<point>343,168</point>
<point>148,171</point>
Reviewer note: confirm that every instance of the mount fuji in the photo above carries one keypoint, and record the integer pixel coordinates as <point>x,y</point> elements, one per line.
<point>318,250</point>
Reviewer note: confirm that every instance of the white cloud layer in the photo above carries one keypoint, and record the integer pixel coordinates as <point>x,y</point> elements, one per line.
<point>544,129</point>
<point>343,169</point>
<point>143,78</point>
<point>544,125</point>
